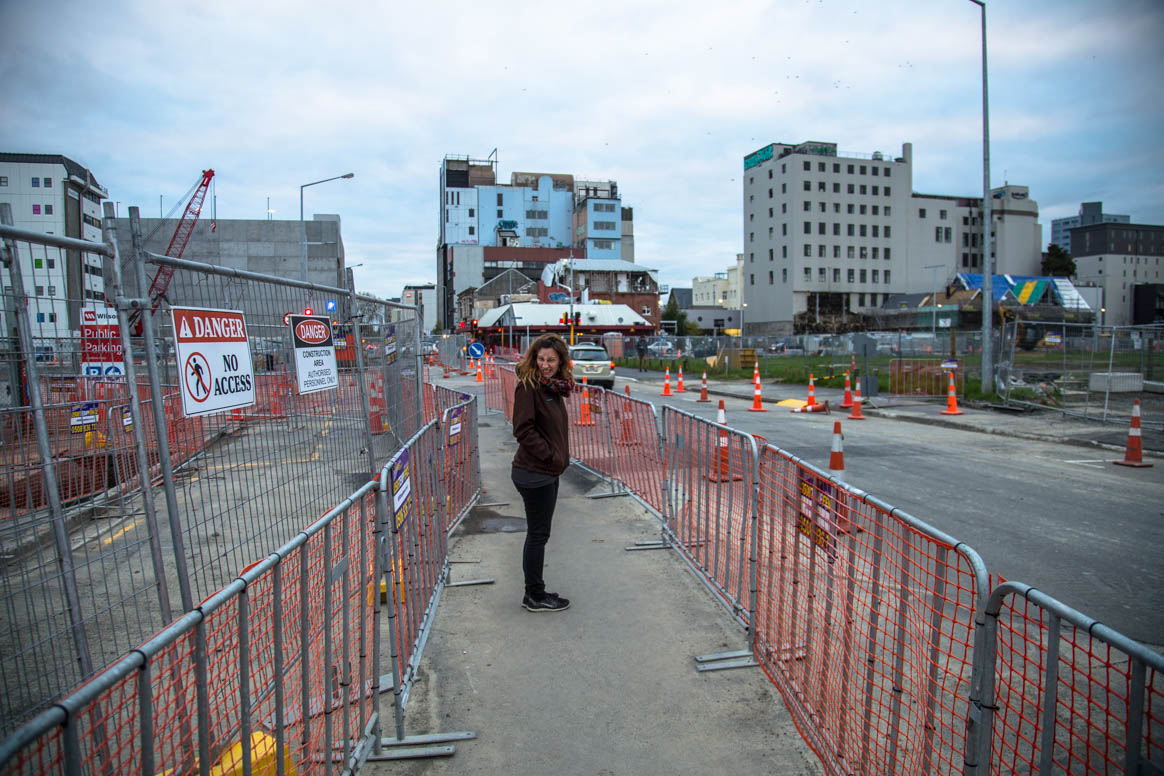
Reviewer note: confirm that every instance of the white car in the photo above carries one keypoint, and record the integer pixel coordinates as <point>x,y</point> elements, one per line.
<point>593,363</point>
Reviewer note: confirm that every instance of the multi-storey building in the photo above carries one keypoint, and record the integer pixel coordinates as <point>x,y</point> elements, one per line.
<point>486,227</point>
<point>424,296</point>
<point>52,194</point>
<point>830,233</point>
<point>1089,213</point>
<point>1119,258</point>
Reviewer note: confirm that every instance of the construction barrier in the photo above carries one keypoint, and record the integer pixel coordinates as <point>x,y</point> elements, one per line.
<point>1063,693</point>
<point>461,470</point>
<point>924,377</point>
<point>864,622</point>
<point>710,504</point>
<point>281,658</point>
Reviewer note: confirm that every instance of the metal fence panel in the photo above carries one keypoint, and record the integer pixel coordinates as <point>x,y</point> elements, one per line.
<point>1095,372</point>
<point>709,484</point>
<point>1066,694</point>
<point>865,622</point>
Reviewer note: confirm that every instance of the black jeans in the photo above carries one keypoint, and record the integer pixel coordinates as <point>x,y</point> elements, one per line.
<point>539,513</point>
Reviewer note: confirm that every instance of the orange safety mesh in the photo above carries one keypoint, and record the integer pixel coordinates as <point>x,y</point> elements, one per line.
<point>508,386</point>
<point>589,435</point>
<point>709,489</point>
<point>459,480</point>
<point>864,623</point>
<point>1092,698</point>
<point>494,388</point>
<point>636,452</point>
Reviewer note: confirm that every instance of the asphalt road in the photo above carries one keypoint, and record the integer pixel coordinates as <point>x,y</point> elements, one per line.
<point>1058,517</point>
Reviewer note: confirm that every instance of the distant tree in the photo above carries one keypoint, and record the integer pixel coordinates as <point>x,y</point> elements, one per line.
<point>1058,262</point>
<point>671,312</point>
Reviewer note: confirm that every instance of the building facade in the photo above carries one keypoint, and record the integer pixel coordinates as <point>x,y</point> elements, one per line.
<point>52,194</point>
<point>828,234</point>
<point>1119,258</point>
<point>424,296</point>
<point>533,214</point>
<point>1089,213</point>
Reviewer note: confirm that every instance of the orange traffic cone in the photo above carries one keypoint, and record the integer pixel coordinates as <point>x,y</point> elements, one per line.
<point>811,390</point>
<point>837,454</point>
<point>856,413</point>
<point>667,383</point>
<point>952,399</point>
<point>703,389</point>
<point>721,469</point>
<point>757,403</point>
<point>1134,454</point>
<point>479,379</point>
<point>447,374</point>
<point>820,406</point>
<point>584,418</point>
<point>847,402</point>
<point>628,423</point>
<point>679,388</point>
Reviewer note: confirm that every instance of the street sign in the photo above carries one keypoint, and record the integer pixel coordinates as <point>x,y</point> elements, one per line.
<point>329,305</point>
<point>949,365</point>
<point>401,488</point>
<point>101,352</point>
<point>390,344</point>
<point>83,418</point>
<point>215,358</point>
<point>314,349</point>
<point>476,350</point>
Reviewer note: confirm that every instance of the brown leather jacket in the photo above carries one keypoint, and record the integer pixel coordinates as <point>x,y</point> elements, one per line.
<point>542,429</point>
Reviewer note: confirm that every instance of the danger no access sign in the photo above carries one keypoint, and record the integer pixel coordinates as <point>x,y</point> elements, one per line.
<point>214,358</point>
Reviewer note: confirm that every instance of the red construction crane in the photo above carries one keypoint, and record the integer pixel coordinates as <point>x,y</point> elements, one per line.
<point>174,249</point>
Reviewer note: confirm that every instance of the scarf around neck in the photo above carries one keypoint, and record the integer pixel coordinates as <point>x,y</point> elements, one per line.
<point>557,385</point>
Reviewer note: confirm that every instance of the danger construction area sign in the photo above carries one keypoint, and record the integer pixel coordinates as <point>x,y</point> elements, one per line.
<point>215,360</point>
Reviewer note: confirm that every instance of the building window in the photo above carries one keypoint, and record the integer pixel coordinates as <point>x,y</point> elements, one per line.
<point>965,259</point>
<point>836,251</point>
<point>888,210</point>
<point>36,183</point>
<point>820,251</point>
<point>500,213</point>
<point>808,227</point>
<point>875,229</point>
<point>942,215</point>
<point>864,252</point>
<point>783,208</point>
<point>3,180</point>
<point>836,167</point>
<point>820,227</point>
<point>40,317</point>
<point>887,174</point>
<point>937,234</point>
<point>850,210</point>
<point>864,188</point>
<point>862,169</point>
<point>876,276</point>
<point>886,192</point>
<point>605,226</point>
<point>821,274</point>
<point>500,199</point>
<point>807,206</point>
<point>40,290</point>
<point>771,277</point>
<point>751,257</point>
<point>769,212</point>
<point>949,234</point>
<point>769,174</point>
<point>860,300</point>
<point>808,166</point>
<point>836,229</point>
<point>886,277</point>
<point>851,188</point>
<point>875,188</point>
<point>887,250</point>
<point>784,230</point>
<point>851,252</point>
<point>784,275</point>
<point>769,193</point>
<point>37,263</point>
<point>862,210</point>
<point>784,251</point>
<point>808,185</point>
<point>751,280</point>
<point>783,188</point>
<point>751,236</point>
<point>470,212</point>
<point>836,274</point>
<point>822,186</point>
<point>862,229</point>
<point>874,169</point>
<point>836,188</point>
<point>52,290</point>
<point>820,166</point>
<point>851,274</point>
<point>808,250</point>
<point>850,169</point>
<point>850,229</point>
<point>887,237</point>
<point>875,251</point>
<point>808,274</point>
<point>770,255</point>
<point>36,210</point>
<point>472,230</point>
<point>824,208</point>
<point>864,277</point>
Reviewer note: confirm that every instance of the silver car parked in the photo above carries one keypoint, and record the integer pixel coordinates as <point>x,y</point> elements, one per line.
<point>593,363</point>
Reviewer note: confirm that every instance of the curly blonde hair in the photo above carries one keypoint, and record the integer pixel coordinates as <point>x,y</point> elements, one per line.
<point>527,369</point>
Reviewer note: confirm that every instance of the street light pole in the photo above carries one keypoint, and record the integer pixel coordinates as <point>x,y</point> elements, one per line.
<point>987,247</point>
<point>303,225</point>
<point>933,268</point>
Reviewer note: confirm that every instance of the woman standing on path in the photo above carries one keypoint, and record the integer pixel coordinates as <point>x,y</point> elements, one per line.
<point>544,380</point>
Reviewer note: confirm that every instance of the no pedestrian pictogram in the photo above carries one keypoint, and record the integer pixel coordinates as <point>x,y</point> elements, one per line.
<point>198,377</point>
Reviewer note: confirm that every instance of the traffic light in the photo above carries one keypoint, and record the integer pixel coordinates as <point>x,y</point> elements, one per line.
<point>562,319</point>
<point>461,325</point>
<point>308,311</point>
<point>578,319</point>
<point>474,323</point>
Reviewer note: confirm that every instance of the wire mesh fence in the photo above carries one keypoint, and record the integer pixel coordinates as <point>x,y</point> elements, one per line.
<point>1095,372</point>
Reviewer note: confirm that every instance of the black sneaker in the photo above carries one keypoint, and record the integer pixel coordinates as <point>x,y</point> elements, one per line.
<point>549,602</point>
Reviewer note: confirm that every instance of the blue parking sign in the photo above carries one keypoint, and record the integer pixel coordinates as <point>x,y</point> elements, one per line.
<point>329,304</point>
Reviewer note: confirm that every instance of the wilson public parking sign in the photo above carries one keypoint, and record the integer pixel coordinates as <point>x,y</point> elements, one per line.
<point>315,368</point>
<point>214,357</point>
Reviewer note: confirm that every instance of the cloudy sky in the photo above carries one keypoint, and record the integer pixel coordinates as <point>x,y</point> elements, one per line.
<point>664,97</point>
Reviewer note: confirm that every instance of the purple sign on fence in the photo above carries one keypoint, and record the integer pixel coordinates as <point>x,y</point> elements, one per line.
<point>401,489</point>
<point>455,425</point>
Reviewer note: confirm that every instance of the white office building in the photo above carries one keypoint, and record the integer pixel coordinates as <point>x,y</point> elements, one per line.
<point>828,233</point>
<point>52,194</point>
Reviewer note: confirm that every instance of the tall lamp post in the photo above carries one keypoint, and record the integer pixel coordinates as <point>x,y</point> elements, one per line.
<point>303,226</point>
<point>987,247</point>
